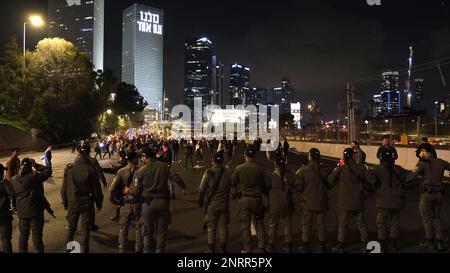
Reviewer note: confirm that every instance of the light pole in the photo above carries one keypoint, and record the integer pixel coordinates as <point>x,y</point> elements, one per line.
<point>35,21</point>
<point>368,132</point>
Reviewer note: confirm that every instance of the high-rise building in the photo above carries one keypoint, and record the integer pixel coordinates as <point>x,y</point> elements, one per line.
<point>375,106</point>
<point>142,52</point>
<point>80,22</point>
<point>199,71</point>
<point>390,94</point>
<point>277,96</point>
<point>286,96</point>
<point>217,83</point>
<point>418,93</point>
<point>239,84</point>
<point>296,111</point>
<point>251,97</point>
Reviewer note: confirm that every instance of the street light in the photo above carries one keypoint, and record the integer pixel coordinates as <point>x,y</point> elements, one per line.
<point>35,21</point>
<point>109,111</point>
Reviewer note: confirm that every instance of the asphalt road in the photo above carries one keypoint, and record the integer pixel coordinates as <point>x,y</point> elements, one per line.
<point>185,234</point>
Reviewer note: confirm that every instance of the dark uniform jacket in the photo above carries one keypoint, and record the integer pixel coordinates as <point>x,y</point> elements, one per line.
<point>98,171</point>
<point>281,199</point>
<point>432,170</point>
<point>6,193</point>
<point>218,195</point>
<point>29,192</point>
<point>250,179</point>
<point>124,178</point>
<point>314,186</point>
<point>388,184</point>
<point>351,189</point>
<point>81,188</point>
<point>151,181</point>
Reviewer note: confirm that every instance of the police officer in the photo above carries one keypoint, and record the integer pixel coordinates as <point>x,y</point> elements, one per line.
<point>152,189</point>
<point>113,170</point>
<point>29,193</point>
<point>311,181</point>
<point>432,190</point>
<point>214,195</point>
<point>100,179</point>
<point>388,180</point>
<point>249,185</point>
<point>80,192</point>
<point>386,146</point>
<point>6,218</point>
<point>130,211</point>
<point>281,204</point>
<point>351,179</point>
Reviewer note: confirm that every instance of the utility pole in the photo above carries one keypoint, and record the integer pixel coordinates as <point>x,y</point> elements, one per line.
<point>351,107</point>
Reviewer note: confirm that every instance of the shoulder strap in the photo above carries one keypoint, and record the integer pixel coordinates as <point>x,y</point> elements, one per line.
<point>215,186</point>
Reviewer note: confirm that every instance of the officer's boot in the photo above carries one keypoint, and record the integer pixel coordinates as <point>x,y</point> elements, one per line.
<point>116,216</point>
<point>211,248</point>
<point>287,248</point>
<point>383,246</point>
<point>122,249</point>
<point>303,248</point>
<point>363,248</point>
<point>439,245</point>
<point>339,248</point>
<point>270,248</point>
<point>395,247</point>
<point>322,248</point>
<point>222,248</point>
<point>428,245</point>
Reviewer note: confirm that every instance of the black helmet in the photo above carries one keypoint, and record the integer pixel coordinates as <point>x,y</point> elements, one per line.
<point>218,158</point>
<point>131,156</point>
<point>26,162</point>
<point>314,153</point>
<point>250,151</point>
<point>146,151</point>
<point>427,148</point>
<point>348,153</point>
<point>85,149</point>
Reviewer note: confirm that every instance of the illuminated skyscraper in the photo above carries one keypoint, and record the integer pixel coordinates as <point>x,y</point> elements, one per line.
<point>200,69</point>
<point>391,98</point>
<point>418,93</point>
<point>82,23</point>
<point>142,52</point>
<point>239,84</point>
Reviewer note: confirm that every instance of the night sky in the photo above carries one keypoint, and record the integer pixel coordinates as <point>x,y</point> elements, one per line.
<point>320,45</point>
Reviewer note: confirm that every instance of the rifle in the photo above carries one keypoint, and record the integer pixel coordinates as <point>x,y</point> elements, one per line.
<point>211,194</point>
<point>48,207</point>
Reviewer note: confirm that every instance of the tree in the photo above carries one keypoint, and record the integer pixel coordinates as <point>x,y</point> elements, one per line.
<point>58,65</point>
<point>16,91</point>
<point>128,100</point>
<point>66,105</point>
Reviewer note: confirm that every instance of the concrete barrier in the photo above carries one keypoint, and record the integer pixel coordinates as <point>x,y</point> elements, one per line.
<point>406,156</point>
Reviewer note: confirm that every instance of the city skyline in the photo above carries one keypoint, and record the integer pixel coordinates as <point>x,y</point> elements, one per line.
<point>289,40</point>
